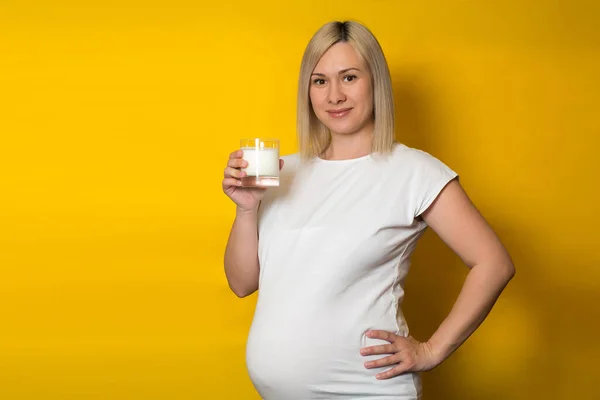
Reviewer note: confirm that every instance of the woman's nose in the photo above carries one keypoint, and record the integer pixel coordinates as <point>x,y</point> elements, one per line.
<point>335,95</point>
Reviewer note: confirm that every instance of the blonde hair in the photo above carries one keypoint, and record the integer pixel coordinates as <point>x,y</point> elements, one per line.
<point>313,136</point>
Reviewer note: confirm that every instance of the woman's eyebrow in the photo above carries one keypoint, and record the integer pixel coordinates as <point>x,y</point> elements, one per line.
<point>343,71</point>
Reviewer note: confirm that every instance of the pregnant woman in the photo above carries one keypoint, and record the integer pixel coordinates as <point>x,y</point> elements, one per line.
<point>329,249</point>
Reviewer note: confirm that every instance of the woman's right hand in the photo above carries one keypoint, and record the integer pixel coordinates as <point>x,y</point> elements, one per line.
<point>247,199</point>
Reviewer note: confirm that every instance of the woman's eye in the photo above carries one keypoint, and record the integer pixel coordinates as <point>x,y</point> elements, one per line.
<point>349,78</point>
<point>319,81</point>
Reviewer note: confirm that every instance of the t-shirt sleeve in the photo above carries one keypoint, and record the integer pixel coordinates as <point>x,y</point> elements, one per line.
<point>430,177</point>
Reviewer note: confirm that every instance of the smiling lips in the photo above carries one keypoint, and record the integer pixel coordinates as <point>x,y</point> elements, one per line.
<point>342,112</point>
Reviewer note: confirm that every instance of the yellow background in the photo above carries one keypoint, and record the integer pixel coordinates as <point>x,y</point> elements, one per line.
<point>116,118</point>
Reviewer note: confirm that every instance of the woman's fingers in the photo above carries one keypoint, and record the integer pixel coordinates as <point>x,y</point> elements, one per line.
<point>384,362</point>
<point>233,172</point>
<point>236,154</point>
<point>380,349</point>
<point>231,182</point>
<point>237,163</point>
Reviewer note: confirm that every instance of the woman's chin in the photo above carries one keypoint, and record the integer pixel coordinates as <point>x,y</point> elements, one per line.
<point>345,128</point>
<point>342,129</point>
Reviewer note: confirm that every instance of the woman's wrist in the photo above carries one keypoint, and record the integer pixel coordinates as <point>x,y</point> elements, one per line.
<point>438,350</point>
<point>242,212</point>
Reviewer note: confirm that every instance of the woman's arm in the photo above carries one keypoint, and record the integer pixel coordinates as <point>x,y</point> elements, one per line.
<point>241,254</point>
<point>458,223</point>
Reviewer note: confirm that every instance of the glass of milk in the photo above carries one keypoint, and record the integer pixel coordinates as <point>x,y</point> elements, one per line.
<point>262,156</point>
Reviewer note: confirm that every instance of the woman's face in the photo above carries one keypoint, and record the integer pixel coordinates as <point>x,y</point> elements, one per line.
<point>341,92</point>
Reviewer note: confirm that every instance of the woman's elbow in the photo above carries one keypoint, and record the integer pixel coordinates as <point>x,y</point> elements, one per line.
<point>508,271</point>
<point>241,291</point>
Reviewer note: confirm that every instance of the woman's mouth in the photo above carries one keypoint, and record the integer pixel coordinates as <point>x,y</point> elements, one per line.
<point>342,112</point>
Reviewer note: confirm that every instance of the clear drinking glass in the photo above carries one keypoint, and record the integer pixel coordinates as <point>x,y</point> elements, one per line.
<point>262,156</point>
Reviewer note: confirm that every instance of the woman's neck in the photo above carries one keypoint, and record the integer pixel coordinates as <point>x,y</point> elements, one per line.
<point>348,146</point>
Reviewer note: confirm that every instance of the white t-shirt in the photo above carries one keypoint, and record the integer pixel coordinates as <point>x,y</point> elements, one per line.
<point>335,241</point>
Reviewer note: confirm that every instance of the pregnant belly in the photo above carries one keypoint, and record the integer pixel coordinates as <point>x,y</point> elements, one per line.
<point>313,354</point>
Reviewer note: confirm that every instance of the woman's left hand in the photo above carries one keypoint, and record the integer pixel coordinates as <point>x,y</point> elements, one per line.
<point>406,353</point>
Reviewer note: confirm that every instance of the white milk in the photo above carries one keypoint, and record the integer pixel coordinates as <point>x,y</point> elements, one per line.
<point>262,162</point>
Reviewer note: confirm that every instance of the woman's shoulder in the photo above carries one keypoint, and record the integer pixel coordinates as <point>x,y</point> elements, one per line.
<point>291,163</point>
<point>404,153</point>
<point>292,159</point>
<point>418,161</point>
